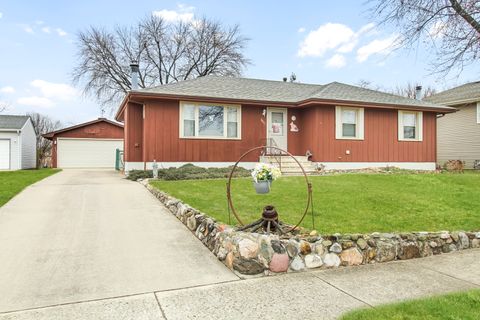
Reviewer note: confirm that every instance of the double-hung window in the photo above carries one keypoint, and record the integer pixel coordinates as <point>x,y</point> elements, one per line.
<point>349,123</point>
<point>410,125</point>
<point>209,121</point>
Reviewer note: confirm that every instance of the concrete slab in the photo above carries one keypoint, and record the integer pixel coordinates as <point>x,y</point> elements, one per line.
<point>462,265</point>
<point>140,307</point>
<point>82,235</point>
<point>292,296</point>
<point>389,282</point>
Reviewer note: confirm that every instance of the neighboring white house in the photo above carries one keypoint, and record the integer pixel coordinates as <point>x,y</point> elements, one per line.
<point>458,134</point>
<point>18,148</point>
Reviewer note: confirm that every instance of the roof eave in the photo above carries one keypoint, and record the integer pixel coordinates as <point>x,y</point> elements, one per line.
<point>50,135</point>
<point>462,101</point>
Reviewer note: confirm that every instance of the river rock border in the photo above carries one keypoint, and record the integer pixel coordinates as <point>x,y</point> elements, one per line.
<point>253,253</point>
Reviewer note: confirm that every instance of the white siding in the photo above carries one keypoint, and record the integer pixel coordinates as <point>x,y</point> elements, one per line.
<point>458,136</point>
<point>29,146</point>
<point>14,139</point>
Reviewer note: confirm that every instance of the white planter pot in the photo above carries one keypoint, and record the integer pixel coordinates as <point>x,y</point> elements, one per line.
<point>262,187</point>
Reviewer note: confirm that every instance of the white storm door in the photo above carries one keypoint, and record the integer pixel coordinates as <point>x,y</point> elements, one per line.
<point>277,127</point>
<point>4,154</point>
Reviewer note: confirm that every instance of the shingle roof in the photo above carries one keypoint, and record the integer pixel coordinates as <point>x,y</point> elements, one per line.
<point>279,91</point>
<point>469,92</point>
<point>12,122</point>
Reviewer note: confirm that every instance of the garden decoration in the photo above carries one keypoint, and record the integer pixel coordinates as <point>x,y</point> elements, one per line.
<point>263,175</point>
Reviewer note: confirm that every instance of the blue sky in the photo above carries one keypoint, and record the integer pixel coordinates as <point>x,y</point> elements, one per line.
<point>318,40</point>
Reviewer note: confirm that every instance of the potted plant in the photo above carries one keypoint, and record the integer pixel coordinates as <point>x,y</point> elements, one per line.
<point>263,175</point>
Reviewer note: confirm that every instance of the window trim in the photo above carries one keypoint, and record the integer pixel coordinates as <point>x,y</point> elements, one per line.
<point>359,126</point>
<point>418,128</point>
<point>478,112</point>
<point>225,120</point>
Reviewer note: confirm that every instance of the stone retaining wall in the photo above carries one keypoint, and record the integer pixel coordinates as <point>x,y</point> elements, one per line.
<point>252,253</point>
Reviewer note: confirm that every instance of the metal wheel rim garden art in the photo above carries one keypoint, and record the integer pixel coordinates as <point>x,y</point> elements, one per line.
<point>279,224</point>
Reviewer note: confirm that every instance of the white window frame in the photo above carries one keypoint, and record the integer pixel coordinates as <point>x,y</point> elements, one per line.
<point>478,112</point>
<point>225,120</point>
<point>418,129</point>
<point>359,126</point>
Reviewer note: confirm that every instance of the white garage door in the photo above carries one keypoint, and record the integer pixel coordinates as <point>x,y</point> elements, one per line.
<point>4,154</point>
<point>87,153</point>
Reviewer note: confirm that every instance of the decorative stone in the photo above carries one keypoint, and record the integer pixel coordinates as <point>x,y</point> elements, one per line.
<point>477,235</point>
<point>279,262</point>
<point>425,249</point>
<point>444,235</point>
<point>326,243</point>
<point>319,248</point>
<point>433,244</point>
<point>247,266</point>
<point>297,264</point>
<point>408,250</point>
<point>362,244</point>
<point>331,260</point>
<point>278,246</point>
<point>305,248</point>
<point>248,249</point>
<point>292,248</point>
<point>386,251</point>
<point>314,233</point>
<point>355,237</point>
<point>229,260</point>
<point>336,248</point>
<point>313,261</point>
<point>191,222</point>
<point>265,253</point>
<point>370,254</point>
<point>446,248</point>
<point>351,257</point>
<point>347,244</point>
<point>476,243</point>
<point>464,242</point>
<point>455,236</point>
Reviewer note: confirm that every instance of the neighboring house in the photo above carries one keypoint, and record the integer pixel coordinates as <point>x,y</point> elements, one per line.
<point>18,143</point>
<point>212,121</point>
<point>458,134</point>
<point>87,145</point>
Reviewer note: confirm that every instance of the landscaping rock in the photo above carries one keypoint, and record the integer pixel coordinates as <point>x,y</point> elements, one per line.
<point>247,266</point>
<point>386,251</point>
<point>229,260</point>
<point>319,248</point>
<point>476,243</point>
<point>351,257</point>
<point>192,223</point>
<point>331,260</point>
<point>248,249</point>
<point>265,253</point>
<point>305,248</point>
<point>292,248</point>
<point>336,248</point>
<point>408,250</point>
<point>362,244</point>
<point>464,242</point>
<point>347,244</point>
<point>326,243</point>
<point>297,264</point>
<point>477,235</point>
<point>279,262</point>
<point>313,261</point>
<point>278,246</point>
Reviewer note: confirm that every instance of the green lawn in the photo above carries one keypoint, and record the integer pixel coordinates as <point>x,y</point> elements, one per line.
<point>463,306</point>
<point>12,182</point>
<point>349,203</point>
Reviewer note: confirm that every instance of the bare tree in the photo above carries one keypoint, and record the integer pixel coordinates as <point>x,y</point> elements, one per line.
<point>167,52</point>
<point>409,90</point>
<point>452,26</point>
<point>43,124</point>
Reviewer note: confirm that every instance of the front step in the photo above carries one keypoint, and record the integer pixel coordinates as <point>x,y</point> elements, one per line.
<point>289,166</point>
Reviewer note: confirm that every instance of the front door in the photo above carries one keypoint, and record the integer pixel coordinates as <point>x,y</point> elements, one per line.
<point>276,127</point>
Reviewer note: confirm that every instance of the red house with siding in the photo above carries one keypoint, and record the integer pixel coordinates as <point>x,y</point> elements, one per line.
<point>212,121</point>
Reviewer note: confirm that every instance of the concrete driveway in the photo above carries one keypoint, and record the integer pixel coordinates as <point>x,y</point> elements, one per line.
<point>85,235</point>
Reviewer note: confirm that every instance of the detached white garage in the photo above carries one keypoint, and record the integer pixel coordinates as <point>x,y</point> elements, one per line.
<point>88,145</point>
<point>18,143</point>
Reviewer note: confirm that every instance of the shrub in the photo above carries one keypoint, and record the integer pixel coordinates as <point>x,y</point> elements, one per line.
<point>189,172</point>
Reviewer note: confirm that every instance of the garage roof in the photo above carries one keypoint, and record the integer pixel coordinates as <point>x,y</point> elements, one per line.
<point>50,135</point>
<point>10,122</point>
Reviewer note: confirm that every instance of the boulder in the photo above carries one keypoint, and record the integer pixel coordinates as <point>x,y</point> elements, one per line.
<point>386,251</point>
<point>351,257</point>
<point>331,260</point>
<point>297,264</point>
<point>408,250</point>
<point>463,241</point>
<point>247,266</point>
<point>313,261</point>
<point>279,262</point>
<point>248,249</point>
<point>336,248</point>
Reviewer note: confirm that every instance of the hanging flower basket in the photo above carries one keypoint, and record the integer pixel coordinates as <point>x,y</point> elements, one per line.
<point>263,176</point>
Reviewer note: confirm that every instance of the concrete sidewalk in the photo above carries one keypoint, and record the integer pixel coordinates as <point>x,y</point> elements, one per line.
<point>324,294</point>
